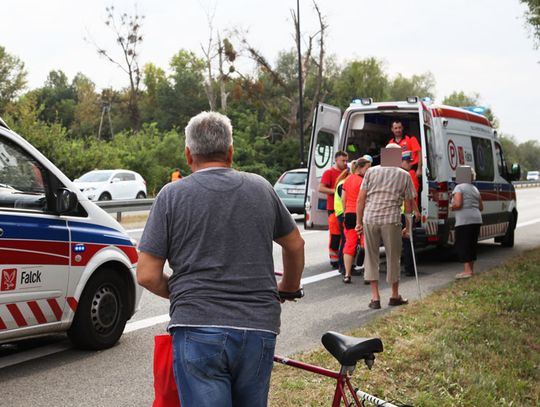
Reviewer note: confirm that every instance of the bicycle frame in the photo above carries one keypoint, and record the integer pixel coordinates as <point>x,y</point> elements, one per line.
<point>342,383</point>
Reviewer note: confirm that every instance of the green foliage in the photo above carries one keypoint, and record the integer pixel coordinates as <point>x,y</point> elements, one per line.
<point>12,78</point>
<point>533,18</point>
<point>417,85</point>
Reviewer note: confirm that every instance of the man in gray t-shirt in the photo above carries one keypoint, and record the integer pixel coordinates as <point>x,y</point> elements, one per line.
<point>216,228</point>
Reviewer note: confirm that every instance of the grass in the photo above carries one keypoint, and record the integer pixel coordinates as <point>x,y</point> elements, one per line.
<point>474,343</point>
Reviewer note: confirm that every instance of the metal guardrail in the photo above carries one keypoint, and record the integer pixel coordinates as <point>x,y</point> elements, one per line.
<point>526,184</point>
<point>129,205</point>
<point>134,205</point>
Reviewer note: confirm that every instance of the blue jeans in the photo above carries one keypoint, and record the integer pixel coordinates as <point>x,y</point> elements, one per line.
<point>222,367</point>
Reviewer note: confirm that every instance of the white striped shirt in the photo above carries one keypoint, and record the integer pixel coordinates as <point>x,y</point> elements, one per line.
<point>386,188</point>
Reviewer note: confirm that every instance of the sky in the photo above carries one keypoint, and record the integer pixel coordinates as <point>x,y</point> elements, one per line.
<point>474,46</point>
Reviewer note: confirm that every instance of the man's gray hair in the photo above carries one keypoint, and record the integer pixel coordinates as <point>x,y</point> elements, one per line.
<point>209,133</point>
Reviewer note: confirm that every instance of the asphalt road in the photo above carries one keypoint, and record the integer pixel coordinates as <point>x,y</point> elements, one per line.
<point>49,372</point>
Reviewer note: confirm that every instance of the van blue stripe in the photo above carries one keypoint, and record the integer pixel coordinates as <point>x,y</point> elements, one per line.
<point>37,228</point>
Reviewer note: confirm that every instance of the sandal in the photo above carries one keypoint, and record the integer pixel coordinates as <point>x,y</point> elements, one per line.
<point>398,301</point>
<point>347,279</point>
<point>463,276</point>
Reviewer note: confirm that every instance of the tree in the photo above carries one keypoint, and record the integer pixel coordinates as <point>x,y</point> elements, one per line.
<point>12,78</point>
<point>127,30</point>
<point>363,78</point>
<point>88,108</point>
<point>460,99</point>
<point>417,85</point>
<point>532,17</point>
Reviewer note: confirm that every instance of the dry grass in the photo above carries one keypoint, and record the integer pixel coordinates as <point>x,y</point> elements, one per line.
<point>475,343</point>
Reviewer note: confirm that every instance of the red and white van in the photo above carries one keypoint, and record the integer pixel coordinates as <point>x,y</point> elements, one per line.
<point>65,264</point>
<point>449,137</point>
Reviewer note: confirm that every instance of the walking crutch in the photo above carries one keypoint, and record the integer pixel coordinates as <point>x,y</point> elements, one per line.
<point>411,216</point>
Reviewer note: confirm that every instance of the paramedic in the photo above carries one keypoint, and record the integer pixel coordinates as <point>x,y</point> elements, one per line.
<point>407,143</point>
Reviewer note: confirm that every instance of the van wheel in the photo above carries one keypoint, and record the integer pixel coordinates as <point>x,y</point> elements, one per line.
<point>508,238</point>
<point>140,195</point>
<point>102,312</point>
<point>105,196</point>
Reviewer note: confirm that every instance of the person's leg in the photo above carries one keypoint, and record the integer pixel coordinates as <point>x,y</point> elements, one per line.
<point>252,368</point>
<point>391,235</point>
<point>351,238</point>
<point>200,367</point>
<point>372,238</point>
<point>341,244</point>
<point>334,238</point>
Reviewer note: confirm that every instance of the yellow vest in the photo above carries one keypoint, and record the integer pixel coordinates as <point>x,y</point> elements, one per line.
<point>338,202</point>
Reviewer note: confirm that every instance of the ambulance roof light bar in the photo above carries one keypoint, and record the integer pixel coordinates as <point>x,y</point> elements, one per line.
<point>475,109</point>
<point>364,101</point>
<point>412,99</point>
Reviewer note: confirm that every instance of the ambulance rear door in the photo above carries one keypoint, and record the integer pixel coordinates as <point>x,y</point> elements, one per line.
<point>324,143</point>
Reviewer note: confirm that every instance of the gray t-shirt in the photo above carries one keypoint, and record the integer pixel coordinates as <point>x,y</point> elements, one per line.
<point>216,227</point>
<point>469,213</point>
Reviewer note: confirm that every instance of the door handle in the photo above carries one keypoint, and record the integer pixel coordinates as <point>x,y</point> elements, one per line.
<point>1,232</point>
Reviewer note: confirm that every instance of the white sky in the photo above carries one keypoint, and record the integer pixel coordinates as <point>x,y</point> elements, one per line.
<point>475,46</point>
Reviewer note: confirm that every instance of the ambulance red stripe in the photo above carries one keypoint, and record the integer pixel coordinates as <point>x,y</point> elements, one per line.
<point>43,246</point>
<point>457,114</point>
<point>2,324</point>
<point>55,308</point>
<point>16,314</point>
<point>72,302</point>
<point>36,310</point>
<point>14,256</point>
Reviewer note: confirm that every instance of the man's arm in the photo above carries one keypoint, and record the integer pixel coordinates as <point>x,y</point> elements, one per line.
<point>325,189</point>
<point>150,274</point>
<point>360,205</point>
<point>292,246</point>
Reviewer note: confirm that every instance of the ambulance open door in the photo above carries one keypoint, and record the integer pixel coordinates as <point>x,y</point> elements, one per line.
<point>324,143</point>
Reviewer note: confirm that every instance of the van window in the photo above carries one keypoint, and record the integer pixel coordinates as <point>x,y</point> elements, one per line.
<point>501,163</point>
<point>483,159</point>
<point>431,155</point>
<point>22,179</point>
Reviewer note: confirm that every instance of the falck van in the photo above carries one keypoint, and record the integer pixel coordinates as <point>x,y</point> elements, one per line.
<point>449,137</point>
<point>65,264</point>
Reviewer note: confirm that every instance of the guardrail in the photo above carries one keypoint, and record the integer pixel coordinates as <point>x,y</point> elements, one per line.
<point>134,205</point>
<point>526,184</point>
<point>129,205</point>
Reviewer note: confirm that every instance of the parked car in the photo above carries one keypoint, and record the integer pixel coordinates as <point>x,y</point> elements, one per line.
<point>533,175</point>
<point>291,188</point>
<point>104,185</point>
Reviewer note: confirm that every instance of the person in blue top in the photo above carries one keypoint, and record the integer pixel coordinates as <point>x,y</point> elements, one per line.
<point>467,204</point>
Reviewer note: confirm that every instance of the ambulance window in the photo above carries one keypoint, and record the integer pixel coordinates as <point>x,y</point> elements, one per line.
<point>22,179</point>
<point>431,162</point>
<point>483,159</point>
<point>324,153</point>
<point>501,163</point>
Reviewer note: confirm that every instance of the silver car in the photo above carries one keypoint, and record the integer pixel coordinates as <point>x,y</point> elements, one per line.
<point>291,188</point>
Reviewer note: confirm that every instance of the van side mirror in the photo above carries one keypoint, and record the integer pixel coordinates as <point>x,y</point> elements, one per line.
<point>66,200</point>
<point>515,172</point>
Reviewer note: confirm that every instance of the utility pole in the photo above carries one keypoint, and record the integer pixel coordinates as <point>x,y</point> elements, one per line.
<point>300,92</point>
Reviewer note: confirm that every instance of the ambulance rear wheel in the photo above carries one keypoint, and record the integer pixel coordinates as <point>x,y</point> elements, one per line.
<point>102,312</point>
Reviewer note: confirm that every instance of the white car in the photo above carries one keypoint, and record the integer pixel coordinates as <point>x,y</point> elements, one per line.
<point>533,175</point>
<point>104,185</point>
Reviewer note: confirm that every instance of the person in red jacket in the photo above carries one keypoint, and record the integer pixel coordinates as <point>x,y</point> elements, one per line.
<point>327,186</point>
<point>407,143</point>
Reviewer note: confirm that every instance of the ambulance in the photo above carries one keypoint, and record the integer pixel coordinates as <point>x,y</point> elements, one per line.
<point>448,136</point>
<point>65,264</point>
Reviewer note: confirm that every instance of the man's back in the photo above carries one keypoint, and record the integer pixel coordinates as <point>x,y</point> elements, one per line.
<point>216,229</point>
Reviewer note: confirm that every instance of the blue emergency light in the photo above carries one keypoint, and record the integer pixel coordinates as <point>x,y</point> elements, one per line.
<point>475,109</point>
<point>79,248</point>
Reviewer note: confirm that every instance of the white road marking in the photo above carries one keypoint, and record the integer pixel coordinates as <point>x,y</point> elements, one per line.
<point>528,223</point>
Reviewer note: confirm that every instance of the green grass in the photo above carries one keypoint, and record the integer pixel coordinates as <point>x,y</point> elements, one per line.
<point>474,343</point>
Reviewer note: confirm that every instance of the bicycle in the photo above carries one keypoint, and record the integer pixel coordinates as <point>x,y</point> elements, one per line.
<point>348,351</point>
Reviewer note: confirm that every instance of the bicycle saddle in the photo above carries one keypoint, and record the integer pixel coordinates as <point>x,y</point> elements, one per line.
<point>348,350</point>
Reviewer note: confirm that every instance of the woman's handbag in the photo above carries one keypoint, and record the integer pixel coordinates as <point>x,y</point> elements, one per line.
<point>166,393</point>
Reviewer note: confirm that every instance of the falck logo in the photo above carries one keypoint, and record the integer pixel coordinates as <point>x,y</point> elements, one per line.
<point>9,279</point>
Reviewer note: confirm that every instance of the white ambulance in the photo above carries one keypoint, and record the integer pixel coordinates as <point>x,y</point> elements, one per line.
<point>65,264</point>
<point>449,137</point>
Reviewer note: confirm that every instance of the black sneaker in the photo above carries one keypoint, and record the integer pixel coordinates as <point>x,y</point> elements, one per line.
<point>334,264</point>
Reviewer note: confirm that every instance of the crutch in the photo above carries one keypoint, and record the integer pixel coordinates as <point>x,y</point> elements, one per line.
<point>411,217</point>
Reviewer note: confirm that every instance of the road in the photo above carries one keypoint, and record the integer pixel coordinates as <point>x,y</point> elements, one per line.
<point>49,372</point>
